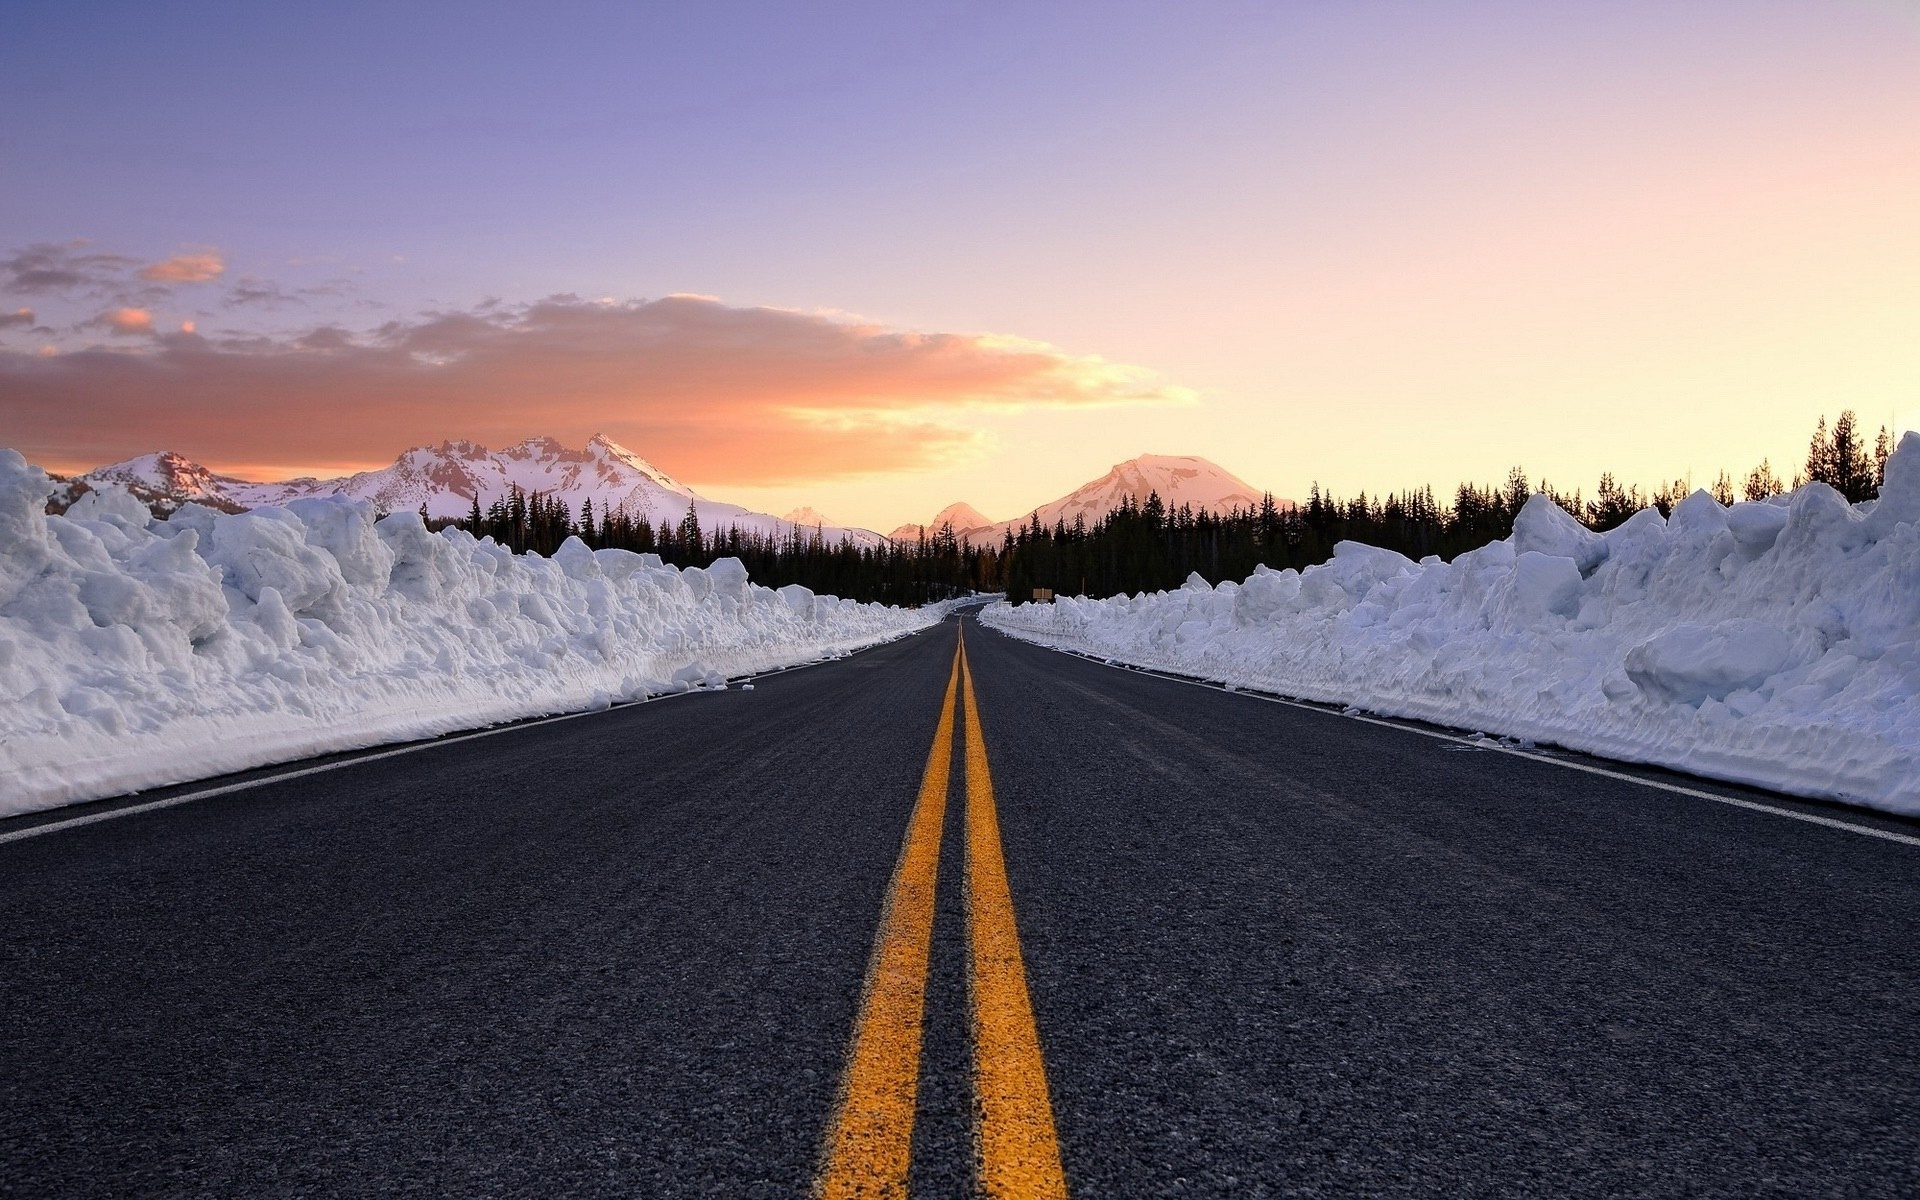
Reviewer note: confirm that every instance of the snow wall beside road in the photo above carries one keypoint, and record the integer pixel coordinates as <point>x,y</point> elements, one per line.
<point>136,652</point>
<point>1774,643</point>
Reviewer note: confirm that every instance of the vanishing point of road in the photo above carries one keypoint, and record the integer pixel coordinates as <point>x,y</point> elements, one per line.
<point>950,921</point>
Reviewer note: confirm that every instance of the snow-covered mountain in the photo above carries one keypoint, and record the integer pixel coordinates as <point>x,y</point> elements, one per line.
<point>163,481</point>
<point>450,477</point>
<point>964,517</point>
<point>1179,480</point>
<point>807,517</point>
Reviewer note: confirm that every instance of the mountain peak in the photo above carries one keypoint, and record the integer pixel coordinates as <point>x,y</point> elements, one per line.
<point>806,514</point>
<point>964,518</point>
<point>161,469</point>
<point>1170,462</point>
<point>163,479</point>
<point>605,448</point>
<point>607,445</point>
<point>1179,479</point>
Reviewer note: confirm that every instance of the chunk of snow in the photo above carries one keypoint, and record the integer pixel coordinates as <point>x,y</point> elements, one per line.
<point>136,653</point>
<point>1899,502</point>
<point>111,502</point>
<point>1691,663</point>
<point>729,576</point>
<point>1544,527</point>
<point>1756,526</point>
<point>1775,643</point>
<point>799,599</point>
<point>1545,584</point>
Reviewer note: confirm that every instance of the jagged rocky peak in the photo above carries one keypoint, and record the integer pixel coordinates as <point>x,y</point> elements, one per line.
<point>164,470</point>
<point>547,449</point>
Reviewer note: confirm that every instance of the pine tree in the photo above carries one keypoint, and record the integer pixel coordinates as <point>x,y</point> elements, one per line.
<point>1839,459</point>
<point>1723,488</point>
<point>1761,482</point>
<point>1852,469</point>
<point>1820,455</point>
<point>689,534</point>
<point>1612,504</point>
<point>1517,491</point>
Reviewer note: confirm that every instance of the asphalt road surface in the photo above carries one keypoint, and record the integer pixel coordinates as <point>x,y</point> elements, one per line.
<point>1261,951</point>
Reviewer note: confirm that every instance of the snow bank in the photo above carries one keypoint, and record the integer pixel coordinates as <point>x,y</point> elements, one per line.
<point>1775,644</point>
<point>136,652</point>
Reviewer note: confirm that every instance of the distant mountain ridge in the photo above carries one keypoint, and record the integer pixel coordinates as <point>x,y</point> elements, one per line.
<point>1180,480</point>
<point>450,477</point>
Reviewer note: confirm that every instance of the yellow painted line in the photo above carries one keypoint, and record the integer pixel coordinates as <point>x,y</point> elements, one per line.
<point>870,1141</point>
<point>1019,1149</point>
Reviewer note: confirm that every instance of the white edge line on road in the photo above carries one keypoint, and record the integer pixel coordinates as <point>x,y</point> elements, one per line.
<point>19,835</point>
<point>1488,744</point>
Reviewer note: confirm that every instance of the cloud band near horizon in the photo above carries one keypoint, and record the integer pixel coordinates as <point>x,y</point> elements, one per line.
<point>724,395</point>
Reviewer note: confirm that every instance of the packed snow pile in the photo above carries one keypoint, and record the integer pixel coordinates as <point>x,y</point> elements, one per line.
<point>136,652</point>
<point>1773,643</point>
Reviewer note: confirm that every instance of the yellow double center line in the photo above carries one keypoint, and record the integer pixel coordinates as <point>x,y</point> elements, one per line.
<point>869,1145</point>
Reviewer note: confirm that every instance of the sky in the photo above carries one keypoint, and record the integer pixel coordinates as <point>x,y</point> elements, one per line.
<point>877,258</point>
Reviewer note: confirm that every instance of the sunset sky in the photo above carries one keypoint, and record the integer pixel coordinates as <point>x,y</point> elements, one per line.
<point>876,258</point>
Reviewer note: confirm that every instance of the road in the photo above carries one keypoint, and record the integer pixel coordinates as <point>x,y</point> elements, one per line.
<point>1263,951</point>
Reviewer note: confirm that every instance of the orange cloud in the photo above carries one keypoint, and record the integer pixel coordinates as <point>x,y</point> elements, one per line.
<point>22,317</point>
<point>128,321</point>
<point>185,268</point>
<point>724,395</point>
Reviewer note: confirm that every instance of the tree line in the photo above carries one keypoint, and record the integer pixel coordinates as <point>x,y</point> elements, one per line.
<point>1148,545</point>
<point>935,567</point>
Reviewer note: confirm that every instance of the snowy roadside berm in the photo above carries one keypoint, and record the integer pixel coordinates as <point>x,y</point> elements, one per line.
<point>136,652</point>
<point>1774,643</point>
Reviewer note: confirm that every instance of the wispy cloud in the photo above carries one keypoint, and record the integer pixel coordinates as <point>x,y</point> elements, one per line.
<point>22,318</point>
<point>50,268</point>
<point>261,293</point>
<point>721,394</point>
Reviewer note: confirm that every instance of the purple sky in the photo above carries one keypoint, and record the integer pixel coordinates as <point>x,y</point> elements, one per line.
<point>1374,244</point>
